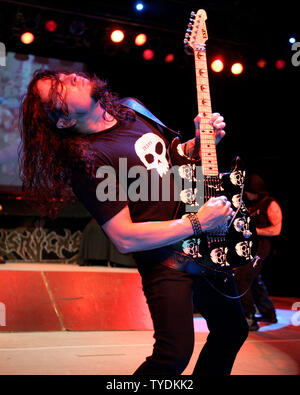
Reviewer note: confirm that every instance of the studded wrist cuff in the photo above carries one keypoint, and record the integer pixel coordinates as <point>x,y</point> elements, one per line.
<point>195,224</point>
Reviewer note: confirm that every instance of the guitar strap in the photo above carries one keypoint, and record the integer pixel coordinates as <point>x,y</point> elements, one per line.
<point>139,107</point>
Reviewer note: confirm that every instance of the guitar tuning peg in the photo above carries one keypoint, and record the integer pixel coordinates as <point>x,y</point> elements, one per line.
<point>247,234</point>
<point>186,41</point>
<point>193,14</point>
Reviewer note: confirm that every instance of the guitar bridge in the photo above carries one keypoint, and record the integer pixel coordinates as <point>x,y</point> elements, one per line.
<point>219,236</point>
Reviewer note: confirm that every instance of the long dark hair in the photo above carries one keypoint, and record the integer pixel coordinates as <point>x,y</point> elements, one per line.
<point>47,155</point>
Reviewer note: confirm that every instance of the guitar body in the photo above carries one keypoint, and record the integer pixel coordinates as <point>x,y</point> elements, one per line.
<point>232,246</point>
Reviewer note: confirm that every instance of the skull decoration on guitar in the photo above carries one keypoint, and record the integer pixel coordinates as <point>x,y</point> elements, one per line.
<point>233,245</point>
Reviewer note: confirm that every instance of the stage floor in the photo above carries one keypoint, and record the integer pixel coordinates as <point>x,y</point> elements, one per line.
<point>273,350</point>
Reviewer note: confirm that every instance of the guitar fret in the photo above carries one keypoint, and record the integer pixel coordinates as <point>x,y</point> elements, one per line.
<point>206,131</point>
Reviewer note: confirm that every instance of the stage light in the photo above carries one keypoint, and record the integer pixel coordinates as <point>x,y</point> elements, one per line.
<point>50,26</point>
<point>261,63</point>
<point>140,39</point>
<point>237,68</point>
<point>27,38</point>
<point>292,40</point>
<point>148,54</point>
<point>217,65</point>
<point>117,36</point>
<point>139,6</point>
<point>169,58</point>
<point>280,64</point>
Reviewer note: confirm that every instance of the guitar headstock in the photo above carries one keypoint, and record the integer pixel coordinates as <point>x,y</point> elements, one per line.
<point>196,33</point>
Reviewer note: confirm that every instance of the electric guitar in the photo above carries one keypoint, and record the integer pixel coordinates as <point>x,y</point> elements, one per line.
<point>234,244</point>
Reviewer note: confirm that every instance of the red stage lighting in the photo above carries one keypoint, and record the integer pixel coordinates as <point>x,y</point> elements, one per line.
<point>50,26</point>
<point>237,68</point>
<point>140,39</point>
<point>169,58</point>
<point>217,65</point>
<point>148,54</point>
<point>280,64</point>
<point>117,36</point>
<point>261,63</point>
<point>27,38</point>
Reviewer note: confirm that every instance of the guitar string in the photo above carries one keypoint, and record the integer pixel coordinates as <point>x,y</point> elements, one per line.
<point>211,184</point>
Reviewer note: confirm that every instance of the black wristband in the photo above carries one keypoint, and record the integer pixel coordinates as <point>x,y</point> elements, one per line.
<point>195,224</point>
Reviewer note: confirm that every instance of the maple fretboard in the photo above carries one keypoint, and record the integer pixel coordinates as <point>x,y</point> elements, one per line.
<point>206,133</point>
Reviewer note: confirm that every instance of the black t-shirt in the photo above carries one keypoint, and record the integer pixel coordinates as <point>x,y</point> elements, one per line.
<point>144,188</point>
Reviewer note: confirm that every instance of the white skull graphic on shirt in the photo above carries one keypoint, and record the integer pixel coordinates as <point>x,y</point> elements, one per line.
<point>151,150</point>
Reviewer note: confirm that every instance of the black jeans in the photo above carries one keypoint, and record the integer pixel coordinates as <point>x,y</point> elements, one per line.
<point>251,279</point>
<point>170,296</point>
<point>257,294</point>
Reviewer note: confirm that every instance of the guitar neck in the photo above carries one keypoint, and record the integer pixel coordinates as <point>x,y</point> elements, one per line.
<point>206,133</point>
